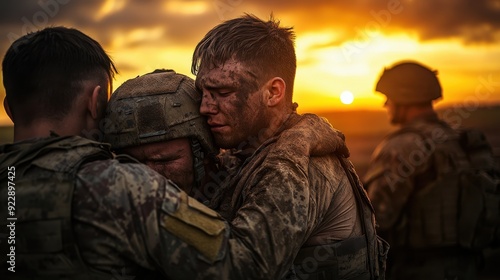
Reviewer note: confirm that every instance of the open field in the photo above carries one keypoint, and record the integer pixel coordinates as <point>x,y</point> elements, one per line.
<point>365,129</point>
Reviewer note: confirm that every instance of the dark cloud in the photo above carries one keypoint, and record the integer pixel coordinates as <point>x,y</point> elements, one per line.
<point>472,21</point>
<point>19,17</point>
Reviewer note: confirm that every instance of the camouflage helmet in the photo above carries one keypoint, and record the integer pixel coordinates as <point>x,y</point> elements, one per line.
<point>158,106</point>
<point>409,83</point>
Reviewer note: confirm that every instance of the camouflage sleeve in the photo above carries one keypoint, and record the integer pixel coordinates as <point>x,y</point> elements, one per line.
<point>390,177</point>
<point>273,221</point>
<point>131,221</point>
<point>119,215</point>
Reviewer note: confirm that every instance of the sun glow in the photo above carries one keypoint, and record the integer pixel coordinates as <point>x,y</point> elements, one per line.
<point>109,7</point>
<point>187,7</point>
<point>346,97</point>
<point>324,70</point>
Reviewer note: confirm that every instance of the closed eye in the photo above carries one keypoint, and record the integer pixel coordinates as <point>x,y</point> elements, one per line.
<point>164,160</point>
<point>220,90</point>
<point>224,93</point>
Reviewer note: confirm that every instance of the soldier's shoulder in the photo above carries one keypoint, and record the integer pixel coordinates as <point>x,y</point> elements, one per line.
<point>127,176</point>
<point>401,138</point>
<point>123,185</point>
<point>397,143</point>
<point>404,133</point>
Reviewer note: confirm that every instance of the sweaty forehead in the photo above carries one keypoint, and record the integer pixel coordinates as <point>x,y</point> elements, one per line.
<point>230,74</point>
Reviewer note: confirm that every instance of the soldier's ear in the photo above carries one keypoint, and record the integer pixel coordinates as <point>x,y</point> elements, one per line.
<point>276,89</point>
<point>7,108</point>
<point>93,103</point>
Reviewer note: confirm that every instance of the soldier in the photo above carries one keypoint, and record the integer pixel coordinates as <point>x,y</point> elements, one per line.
<point>294,183</point>
<point>417,210</point>
<point>74,210</point>
<point>155,118</point>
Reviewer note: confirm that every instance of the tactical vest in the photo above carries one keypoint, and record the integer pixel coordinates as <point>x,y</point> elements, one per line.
<point>356,258</point>
<point>446,208</point>
<point>45,177</point>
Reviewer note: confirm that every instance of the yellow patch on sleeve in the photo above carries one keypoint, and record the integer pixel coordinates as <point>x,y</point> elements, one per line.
<point>198,226</point>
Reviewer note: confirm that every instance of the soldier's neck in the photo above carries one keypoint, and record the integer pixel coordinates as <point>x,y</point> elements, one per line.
<point>414,113</point>
<point>43,128</point>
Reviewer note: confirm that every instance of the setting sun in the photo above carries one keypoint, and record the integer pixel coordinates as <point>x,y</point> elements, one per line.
<point>346,97</point>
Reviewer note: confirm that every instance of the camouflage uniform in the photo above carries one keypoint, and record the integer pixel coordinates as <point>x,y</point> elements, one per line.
<point>293,193</point>
<point>402,166</point>
<point>98,218</point>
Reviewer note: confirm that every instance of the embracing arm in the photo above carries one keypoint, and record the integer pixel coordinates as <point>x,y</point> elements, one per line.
<point>263,239</point>
<point>144,223</point>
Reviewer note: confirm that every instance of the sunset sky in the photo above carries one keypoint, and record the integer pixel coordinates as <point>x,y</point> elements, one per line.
<point>341,45</point>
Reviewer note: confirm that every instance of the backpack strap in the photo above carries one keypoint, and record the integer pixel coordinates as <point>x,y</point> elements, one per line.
<point>478,150</point>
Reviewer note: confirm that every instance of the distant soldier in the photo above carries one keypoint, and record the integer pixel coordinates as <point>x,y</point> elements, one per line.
<point>417,182</point>
<point>155,118</point>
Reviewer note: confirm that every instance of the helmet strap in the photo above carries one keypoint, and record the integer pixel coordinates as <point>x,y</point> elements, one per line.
<point>198,157</point>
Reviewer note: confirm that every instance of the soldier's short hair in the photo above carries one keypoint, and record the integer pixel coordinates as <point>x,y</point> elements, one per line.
<point>44,71</point>
<point>263,45</point>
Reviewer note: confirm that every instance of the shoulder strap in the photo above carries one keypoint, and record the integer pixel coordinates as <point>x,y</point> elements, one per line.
<point>479,151</point>
<point>370,235</point>
<point>21,157</point>
<point>31,153</point>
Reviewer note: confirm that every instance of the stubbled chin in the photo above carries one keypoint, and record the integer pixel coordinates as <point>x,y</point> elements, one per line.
<point>222,142</point>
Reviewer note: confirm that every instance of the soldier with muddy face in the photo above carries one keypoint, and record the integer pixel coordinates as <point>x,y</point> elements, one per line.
<point>294,185</point>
